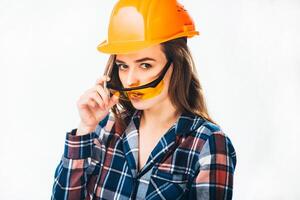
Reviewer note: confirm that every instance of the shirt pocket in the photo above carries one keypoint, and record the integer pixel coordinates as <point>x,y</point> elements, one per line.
<point>166,185</point>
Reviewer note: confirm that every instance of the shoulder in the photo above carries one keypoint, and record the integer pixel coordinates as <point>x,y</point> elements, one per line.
<point>212,144</point>
<point>210,132</point>
<point>217,146</point>
<point>214,137</point>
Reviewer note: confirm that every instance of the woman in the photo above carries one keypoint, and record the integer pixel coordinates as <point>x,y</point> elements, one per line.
<point>145,132</point>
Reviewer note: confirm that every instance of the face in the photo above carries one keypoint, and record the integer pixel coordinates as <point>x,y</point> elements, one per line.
<point>142,67</point>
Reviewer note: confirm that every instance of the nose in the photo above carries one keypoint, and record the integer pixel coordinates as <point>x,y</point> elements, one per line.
<point>131,79</point>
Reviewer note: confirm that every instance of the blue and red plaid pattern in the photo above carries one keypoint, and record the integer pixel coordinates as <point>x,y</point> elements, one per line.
<point>194,159</point>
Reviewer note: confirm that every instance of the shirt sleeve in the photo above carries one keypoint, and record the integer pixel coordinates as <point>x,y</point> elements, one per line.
<point>214,179</point>
<point>73,171</point>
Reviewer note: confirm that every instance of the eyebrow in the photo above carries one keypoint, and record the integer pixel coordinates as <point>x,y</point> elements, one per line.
<point>138,61</point>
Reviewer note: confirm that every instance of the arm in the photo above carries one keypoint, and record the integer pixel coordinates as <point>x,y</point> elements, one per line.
<point>214,179</point>
<point>71,177</point>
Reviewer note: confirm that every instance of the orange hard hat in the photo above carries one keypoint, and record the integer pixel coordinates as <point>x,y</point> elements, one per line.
<point>137,24</point>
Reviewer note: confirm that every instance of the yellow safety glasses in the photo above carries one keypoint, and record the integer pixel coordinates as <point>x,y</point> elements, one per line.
<point>142,92</point>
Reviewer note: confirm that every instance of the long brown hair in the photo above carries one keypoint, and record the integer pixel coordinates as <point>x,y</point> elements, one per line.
<point>185,90</point>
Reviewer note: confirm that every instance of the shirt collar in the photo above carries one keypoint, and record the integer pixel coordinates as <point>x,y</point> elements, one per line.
<point>186,123</point>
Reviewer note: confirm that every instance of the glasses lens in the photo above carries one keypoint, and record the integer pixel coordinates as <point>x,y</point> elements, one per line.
<point>139,94</point>
<point>146,93</point>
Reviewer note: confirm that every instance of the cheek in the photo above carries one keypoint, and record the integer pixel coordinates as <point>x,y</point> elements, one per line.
<point>138,78</point>
<point>122,77</point>
<point>164,93</point>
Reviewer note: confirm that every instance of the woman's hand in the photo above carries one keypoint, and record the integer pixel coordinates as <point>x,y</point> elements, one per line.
<point>94,105</point>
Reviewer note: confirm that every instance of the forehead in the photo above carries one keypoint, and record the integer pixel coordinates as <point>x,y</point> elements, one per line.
<point>154,52</point>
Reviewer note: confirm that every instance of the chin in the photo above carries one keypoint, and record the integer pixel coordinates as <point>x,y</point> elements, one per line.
<point>141,104</point>
<point>147,104</point>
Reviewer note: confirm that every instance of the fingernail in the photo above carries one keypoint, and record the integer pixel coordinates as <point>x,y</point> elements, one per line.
<point>117,94</point>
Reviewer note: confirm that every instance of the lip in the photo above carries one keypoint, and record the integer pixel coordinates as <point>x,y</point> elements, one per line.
<point>135,95</point>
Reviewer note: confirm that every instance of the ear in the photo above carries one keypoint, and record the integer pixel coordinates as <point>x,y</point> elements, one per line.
<point>171,67</point>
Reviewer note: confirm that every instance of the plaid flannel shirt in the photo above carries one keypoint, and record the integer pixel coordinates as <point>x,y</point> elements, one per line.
<point>194,159</point>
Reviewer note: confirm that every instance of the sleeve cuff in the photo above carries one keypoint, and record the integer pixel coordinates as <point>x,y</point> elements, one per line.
<point>78,146</point>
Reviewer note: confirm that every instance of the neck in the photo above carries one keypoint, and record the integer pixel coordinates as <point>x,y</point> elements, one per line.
<point>160,116</point>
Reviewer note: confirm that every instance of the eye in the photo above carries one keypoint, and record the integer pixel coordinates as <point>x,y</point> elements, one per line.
<point>122,66</point>
<point>146,65</point>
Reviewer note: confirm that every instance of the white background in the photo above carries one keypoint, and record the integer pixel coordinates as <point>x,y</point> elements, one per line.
<point>248,59</point>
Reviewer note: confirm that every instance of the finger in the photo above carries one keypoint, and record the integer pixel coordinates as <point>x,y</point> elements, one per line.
<point>114,100</point>
<point>101,80</point>
<point>92,103</point>
<point>92,93</point>
<point>102,93</point>
<point>96,97</point>
<point>86,102</point>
